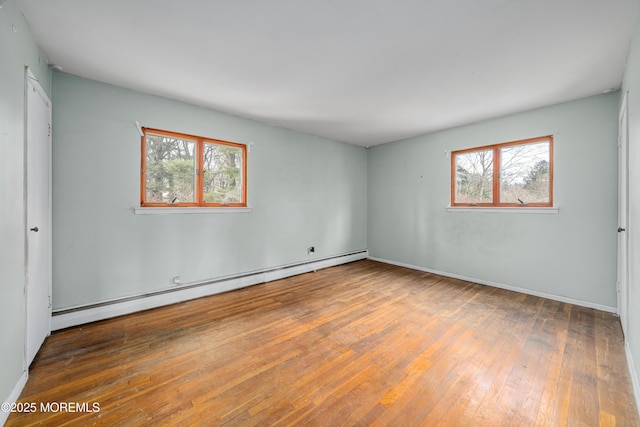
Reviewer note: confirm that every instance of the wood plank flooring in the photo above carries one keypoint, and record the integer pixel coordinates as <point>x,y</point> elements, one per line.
<point>360,344</point>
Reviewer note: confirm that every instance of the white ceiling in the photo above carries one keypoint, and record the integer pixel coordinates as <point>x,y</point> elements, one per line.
<point>360,71</point>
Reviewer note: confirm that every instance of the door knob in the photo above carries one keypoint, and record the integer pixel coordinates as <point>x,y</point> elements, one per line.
<point>34,229</point>
<point>620,229</point>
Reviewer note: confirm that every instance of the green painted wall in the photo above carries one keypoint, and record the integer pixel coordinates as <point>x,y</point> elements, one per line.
<point>304,191</point>
<point>570,254</point>
<point>17,49</point>
<point>631,84</point>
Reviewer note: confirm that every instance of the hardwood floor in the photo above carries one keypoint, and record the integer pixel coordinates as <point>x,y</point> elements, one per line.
<point>360,344</point>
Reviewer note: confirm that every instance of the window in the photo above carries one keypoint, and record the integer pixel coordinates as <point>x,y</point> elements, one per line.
<point>513,174</point>
<point>186,170</point>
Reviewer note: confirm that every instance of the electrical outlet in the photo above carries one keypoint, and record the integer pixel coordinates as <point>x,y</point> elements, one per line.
<point>311,250</point>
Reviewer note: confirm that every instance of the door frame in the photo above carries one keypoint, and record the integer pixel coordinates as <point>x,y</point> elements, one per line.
<point>622,283</point>
<point>30,79</point>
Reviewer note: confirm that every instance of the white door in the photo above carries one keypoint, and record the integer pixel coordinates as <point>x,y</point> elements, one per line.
<point>623,213</point>
<point>39,236</point>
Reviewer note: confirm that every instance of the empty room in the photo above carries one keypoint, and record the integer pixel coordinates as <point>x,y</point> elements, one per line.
<point>320,213</point>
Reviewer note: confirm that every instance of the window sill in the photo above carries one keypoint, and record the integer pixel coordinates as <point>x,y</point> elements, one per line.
<point>196,210</point>
<point>552,210</point>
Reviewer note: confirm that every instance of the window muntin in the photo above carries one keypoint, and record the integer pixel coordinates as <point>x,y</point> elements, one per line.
<point>513,174</point>
<point>186,170</point>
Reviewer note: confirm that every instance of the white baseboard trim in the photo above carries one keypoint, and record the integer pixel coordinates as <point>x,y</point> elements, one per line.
<point>13,397</point>
<point>568,300</point>
<point>634,374</point>
<point>106,309</point>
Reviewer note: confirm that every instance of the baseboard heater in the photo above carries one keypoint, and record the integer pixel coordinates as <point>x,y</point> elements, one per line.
<point>79,315</point>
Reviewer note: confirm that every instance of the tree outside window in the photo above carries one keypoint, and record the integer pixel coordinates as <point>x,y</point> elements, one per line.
<point>185,170</point>
<point>518,173</point>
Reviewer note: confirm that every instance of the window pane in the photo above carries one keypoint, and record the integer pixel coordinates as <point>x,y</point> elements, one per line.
<point>170,170</point>
<point>474,177</point>
<point>222,174</point>
<point>524,173</point>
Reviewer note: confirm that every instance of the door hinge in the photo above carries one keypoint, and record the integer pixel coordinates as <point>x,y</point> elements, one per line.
<point>50,305</point>
<point>49,134</point>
